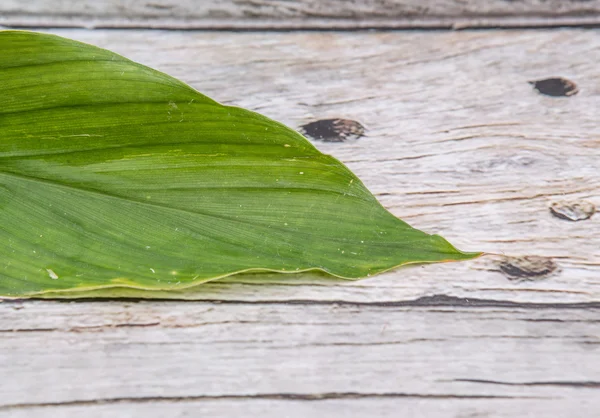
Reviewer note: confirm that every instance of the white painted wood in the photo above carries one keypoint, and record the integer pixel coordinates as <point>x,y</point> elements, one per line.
<point>168,359</point>
<point>458,143</point>
<point>289,14</point>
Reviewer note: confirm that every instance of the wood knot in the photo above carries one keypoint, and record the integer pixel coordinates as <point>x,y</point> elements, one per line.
<point>573,210</point>
<point>333,130</point>
<point>555,86</point>
<point>528,267</point>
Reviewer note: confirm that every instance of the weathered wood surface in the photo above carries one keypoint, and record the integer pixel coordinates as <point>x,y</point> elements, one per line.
<point>157,359</point>
<point>458,142</point>
<point>297,14</point>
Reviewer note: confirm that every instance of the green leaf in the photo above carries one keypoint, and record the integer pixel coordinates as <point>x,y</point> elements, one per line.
<point>114,175</point>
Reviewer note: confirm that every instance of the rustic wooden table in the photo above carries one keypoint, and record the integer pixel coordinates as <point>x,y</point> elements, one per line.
<point>458,141</point>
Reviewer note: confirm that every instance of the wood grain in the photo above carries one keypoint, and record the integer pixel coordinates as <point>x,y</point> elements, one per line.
<point>457,142</point>
<point>156,359</point>
<point>298,14</point>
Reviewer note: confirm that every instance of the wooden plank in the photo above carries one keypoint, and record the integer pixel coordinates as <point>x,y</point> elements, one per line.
<point>298,14</point>
<point>458,143</point>
<point>332,360</point>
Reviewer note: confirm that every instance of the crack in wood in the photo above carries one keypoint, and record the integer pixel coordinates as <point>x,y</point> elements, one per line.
<point>122,325</point>
<point>267,396</point>
<point>312,23</point>
<point>440,300</point>
<point>565,383</point>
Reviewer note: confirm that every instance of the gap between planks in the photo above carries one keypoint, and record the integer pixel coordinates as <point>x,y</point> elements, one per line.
<point>299,14</point>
